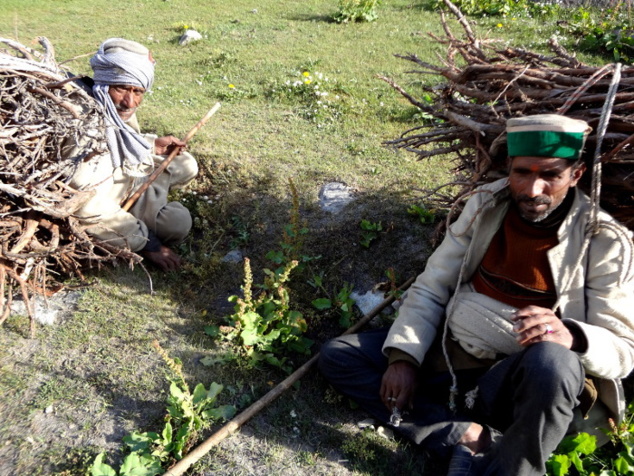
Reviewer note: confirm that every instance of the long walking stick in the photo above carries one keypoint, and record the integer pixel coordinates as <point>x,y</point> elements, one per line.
<point>232,426</point>
<point>163,165</point>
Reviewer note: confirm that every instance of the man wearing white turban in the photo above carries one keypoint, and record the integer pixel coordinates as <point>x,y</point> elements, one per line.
<point>123,73</point>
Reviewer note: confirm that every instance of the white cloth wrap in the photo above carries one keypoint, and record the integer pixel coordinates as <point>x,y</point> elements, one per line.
<point>482,325</point>
<point>129,63</point>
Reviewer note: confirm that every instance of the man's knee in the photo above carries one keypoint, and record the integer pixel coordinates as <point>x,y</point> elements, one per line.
<point>173,223</point>
<point>550,365</point>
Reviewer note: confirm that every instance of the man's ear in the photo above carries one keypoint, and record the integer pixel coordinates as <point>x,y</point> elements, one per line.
<point>576,173</point>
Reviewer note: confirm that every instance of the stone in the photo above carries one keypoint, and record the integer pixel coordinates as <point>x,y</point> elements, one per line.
<point>368,301</point>
<point>190,36</point>
<point>334,196</point>
<point>234,256</point>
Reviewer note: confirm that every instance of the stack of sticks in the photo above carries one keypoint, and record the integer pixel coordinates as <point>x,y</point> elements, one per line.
<point>482,86</point>
<point>42,114</point>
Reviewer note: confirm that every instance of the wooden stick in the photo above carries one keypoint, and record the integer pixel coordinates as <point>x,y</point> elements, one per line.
<point>159,170</point>
<point>232,426</point>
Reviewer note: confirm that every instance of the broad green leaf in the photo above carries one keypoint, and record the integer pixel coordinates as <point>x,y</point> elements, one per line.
<point>250,336</point>
<point>622,466</point>
<point>576,460</point>
<point>200,393</point>
<point>133,465</point>
<point>176,392</point>
<point>167,433</point>
<point>139,441</point>
<point>224,412</point>
<point>182,436</point>
<point>214,390</point>
<point>559,465</point>
<point>322,303</point>
<point>152,464</point>
<point>582,443</point>
<point>99,468</point>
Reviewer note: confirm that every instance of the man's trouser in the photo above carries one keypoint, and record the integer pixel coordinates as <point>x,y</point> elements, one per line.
<point>529,396</point>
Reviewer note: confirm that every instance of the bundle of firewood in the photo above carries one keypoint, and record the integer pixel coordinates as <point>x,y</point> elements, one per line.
<point>42,111</point>
<point>482,86</point>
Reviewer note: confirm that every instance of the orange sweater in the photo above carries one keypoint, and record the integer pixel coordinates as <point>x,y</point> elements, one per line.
<point>515,268</point>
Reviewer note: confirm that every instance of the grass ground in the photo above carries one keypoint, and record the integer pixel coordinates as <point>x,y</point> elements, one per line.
<point>80,386</point>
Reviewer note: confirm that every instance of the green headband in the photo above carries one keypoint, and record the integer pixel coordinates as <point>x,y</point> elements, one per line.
<point>564,145</point>
<point>546,135</point>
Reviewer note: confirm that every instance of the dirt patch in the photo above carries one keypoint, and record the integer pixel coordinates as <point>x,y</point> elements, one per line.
<point>92,377</point>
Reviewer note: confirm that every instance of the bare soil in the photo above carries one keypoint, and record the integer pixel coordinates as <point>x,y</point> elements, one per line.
<point>82,384</point>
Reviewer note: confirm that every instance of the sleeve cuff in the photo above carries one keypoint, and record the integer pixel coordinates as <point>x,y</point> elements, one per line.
<point>580,341</point>
<point>396,355</point>
<point>153,243</point>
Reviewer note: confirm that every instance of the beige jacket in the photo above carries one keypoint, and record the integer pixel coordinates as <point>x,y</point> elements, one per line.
<point>103,216</point>
<point>598,297</point>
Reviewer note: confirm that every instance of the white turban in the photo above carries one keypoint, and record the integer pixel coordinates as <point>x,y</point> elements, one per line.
<point>120,61</point>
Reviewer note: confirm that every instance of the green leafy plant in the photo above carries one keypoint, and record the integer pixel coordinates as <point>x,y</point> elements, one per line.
<point>578,454</point>
<point>350,11</point>
<point>265,325</point>
<point>607,32</point>
<point>187,414</point>
<point>343,302</point>
<point>369,232</point>
<point>518,8</point>
<point>425,216</point>
<point>293,237</point>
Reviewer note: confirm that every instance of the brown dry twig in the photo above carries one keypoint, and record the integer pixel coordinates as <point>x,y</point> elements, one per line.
<point>40,112</point>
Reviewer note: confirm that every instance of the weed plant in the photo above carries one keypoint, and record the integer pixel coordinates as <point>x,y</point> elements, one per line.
<point>188,414</point>
<point>264,326</point>
<point>357,11</point>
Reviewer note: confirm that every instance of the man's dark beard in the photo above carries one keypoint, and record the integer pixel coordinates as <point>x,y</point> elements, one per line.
<point>539,200</point>
<point>552,217</point>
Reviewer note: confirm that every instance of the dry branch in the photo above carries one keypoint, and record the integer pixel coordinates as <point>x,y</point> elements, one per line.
<point>471,105</point>
<point>42,110</point>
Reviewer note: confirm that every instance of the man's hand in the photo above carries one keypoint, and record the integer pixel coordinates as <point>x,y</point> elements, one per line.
<point>164,145</point>
<point>164,258</point>
<point>397,386</point>
<point>538,324</point>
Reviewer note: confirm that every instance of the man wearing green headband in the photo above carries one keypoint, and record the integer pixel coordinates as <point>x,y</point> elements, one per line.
<point>519,330</point>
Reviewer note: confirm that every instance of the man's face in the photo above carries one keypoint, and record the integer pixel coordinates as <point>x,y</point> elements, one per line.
<point>539,184</point>
<point>126,99</point>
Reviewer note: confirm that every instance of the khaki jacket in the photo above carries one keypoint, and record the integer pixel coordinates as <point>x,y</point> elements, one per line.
<point>597,296</point>
<point>102,215</point>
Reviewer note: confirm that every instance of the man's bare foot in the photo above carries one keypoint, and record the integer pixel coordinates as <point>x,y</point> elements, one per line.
<point>477,438</point>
